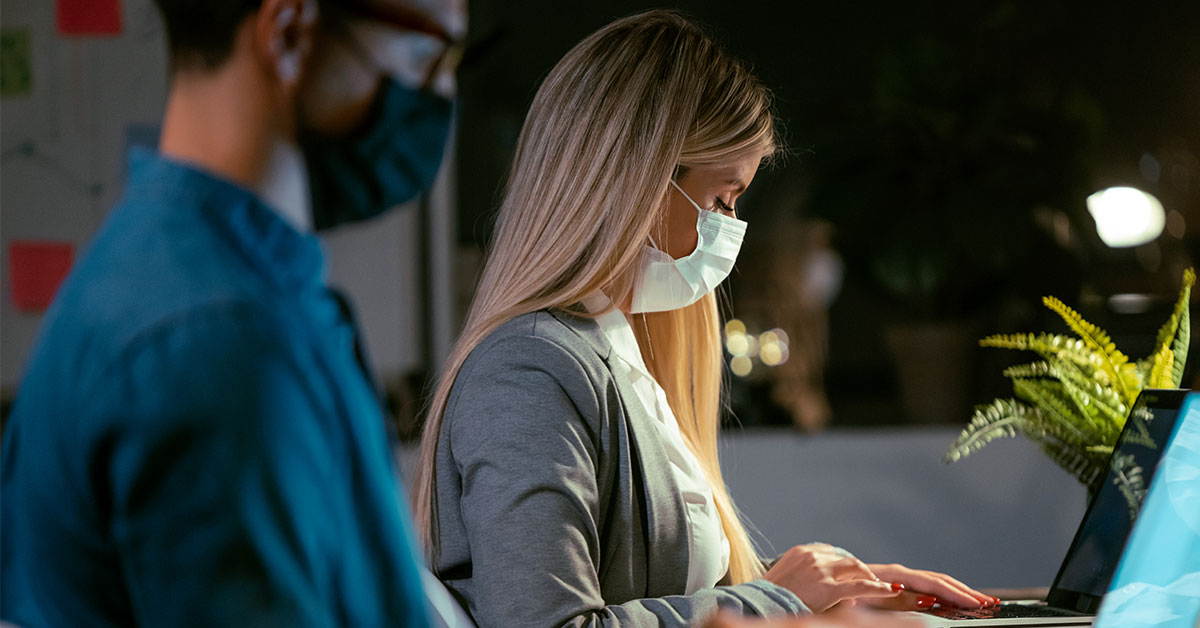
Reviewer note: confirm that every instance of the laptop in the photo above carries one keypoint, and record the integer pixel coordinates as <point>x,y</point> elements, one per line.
<point>1158,580</point>
<point>1088,567</point>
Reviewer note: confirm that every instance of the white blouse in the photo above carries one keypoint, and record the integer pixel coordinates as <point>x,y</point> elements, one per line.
<point>708,549</point>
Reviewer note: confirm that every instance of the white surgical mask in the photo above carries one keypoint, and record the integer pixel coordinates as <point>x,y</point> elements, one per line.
<point>665,283</point>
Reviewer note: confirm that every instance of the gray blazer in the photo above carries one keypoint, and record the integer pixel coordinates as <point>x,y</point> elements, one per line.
<point>555,503</point>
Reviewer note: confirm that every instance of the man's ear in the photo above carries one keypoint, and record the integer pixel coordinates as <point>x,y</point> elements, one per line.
<point>284,32</point>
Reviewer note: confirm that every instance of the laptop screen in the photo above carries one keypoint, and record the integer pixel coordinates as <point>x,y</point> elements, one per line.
<point>1158,581</point>
<point>1092,558</point>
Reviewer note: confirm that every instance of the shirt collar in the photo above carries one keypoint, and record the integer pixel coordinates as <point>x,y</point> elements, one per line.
<point>289,258</point>
<point>618,331</point>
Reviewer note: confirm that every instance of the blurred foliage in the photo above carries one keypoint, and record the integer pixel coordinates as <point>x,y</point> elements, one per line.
<point>934,181</point>
<point>1075,401</point>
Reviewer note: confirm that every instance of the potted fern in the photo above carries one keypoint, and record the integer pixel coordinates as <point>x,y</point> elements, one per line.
<point>1075,400</point>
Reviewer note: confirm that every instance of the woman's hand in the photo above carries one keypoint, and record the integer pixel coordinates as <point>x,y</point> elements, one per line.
<point>925,588</point>
<point>822,576</point>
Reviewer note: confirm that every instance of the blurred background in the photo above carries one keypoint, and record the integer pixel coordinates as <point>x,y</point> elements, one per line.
<point>940,159</point>
<point>940,155</point>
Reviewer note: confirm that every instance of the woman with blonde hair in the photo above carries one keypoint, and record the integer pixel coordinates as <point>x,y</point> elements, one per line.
<point>569,471</point>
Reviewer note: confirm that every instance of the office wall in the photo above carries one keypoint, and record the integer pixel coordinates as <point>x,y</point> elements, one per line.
<point>1002,517</point>
<point>63,164</point>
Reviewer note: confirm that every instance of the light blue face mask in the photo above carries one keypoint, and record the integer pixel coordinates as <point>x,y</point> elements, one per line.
<point>392,159</point>
<point>665,283</point>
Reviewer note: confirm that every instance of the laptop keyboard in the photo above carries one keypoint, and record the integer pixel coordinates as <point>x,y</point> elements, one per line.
<point>1002,611</point>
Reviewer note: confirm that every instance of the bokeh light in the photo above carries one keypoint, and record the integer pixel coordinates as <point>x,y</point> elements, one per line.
<point>772,354</point>
<point>741,366</point>
<point>737,344</point>
<point>1126,216</point>
<point>770,347</point>
<point>1176,225</point>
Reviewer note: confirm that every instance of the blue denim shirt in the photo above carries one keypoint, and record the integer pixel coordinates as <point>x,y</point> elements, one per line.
<point>194,442</point>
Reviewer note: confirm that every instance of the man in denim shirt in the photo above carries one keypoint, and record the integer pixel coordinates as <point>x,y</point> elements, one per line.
<point>196,441</point>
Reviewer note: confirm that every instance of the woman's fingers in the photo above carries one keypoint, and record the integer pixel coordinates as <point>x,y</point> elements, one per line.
<point>985,598</point>
<point>859,588</point>
<point>946,589</point>
<point>906,601</point>
<point>955,592</point>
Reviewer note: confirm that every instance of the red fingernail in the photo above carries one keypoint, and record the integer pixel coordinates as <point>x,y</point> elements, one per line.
<point>996,599</point>
<point>897,587</point>
<point>925,601</point>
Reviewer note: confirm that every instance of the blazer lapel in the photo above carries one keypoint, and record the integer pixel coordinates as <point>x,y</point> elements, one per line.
<point>667,538</point>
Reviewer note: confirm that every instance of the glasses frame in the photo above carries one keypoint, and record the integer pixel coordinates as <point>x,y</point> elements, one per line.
<point>411,20</point>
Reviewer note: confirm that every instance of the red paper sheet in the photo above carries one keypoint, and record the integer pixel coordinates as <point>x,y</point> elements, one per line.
<point>35,271</point>
<point>89,17</point>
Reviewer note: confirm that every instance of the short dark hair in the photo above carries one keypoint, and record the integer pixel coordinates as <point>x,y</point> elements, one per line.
<point>200,33</point>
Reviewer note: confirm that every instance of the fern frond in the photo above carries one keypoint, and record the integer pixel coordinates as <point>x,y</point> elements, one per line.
<point>1179,350</point>
<point>1074,402</point>
<point>1138,432</point>
<point>1166,333</point>
<point>1128,477</point>
<point>1035,369</point>
<point>1160,375</point>
<point>1002,418</point>
<point>1183,335</point>
<point>1144,366</point>
<point>1073,460</point>
<point>1102,398</point>
<point>1039,343</point>
<point>1050,398</point>
<point>1039,427</point>
<point>1103,419</point>
<point>1052,346</point>
<point>1111,358</point>
<point>1059,441</point>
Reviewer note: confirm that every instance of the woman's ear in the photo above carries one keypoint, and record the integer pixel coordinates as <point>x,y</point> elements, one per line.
<point>284,32</point>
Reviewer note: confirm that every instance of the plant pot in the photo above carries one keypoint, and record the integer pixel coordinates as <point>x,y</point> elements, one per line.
<point>934,369</point>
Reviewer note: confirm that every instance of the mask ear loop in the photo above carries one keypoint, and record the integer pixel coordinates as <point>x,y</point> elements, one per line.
<point>685,195</point>
<point>652,242</point>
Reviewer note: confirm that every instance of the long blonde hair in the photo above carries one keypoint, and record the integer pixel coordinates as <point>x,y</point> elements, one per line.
<point>610,125</point>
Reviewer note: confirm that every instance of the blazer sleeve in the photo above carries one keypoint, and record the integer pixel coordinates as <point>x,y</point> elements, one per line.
<point>523,426</point>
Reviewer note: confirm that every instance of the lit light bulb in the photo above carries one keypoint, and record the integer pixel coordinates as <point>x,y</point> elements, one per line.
<point>1126,216</point>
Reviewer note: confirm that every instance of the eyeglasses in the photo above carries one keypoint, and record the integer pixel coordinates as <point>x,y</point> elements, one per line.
<point>405,18</point>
